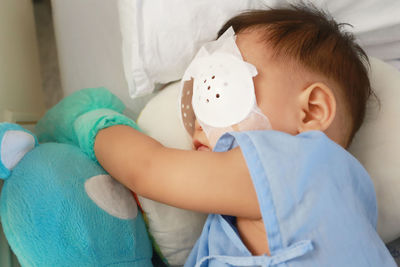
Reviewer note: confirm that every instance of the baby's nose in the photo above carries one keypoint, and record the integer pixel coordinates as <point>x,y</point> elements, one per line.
<point>197,126</point>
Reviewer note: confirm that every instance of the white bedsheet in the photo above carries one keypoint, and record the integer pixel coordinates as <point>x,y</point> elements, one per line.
<point>89,39</point>
<point>376,23</point>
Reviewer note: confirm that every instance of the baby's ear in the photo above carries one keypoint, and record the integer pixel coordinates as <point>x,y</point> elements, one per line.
<point>318,107</point>
<point>15,142</point>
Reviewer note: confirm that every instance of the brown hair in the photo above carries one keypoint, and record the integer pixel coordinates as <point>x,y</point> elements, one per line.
<point>315,40</point>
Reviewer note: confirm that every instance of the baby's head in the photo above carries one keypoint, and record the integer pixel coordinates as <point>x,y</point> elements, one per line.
<point>311,74</point>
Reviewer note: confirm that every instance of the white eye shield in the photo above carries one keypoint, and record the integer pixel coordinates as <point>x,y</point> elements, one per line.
<point>217,89</point>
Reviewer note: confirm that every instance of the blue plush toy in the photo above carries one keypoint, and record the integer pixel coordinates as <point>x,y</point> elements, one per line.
<point>60,208</point>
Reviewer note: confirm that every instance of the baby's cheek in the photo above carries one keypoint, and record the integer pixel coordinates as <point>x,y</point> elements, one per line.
<point>284,122</point>
<point>213,134</point>
<point>281,113</point>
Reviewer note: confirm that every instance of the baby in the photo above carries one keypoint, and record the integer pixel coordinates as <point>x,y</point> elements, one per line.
<point>292,194</point>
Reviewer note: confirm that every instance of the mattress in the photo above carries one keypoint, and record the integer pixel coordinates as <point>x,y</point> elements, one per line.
<point>395,63</point>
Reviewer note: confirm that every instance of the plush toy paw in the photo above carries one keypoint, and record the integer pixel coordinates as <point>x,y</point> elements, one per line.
<point>57,123</point>
<point>89,124</point>
<point>78,117</point>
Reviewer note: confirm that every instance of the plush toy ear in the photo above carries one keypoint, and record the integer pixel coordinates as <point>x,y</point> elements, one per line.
<point>15,142</point>
<point>111,196</point>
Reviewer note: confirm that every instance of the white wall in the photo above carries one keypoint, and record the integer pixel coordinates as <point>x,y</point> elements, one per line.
<point>89,45</point>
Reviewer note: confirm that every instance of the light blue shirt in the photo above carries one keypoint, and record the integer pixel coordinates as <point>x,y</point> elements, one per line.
<point>317,202</point>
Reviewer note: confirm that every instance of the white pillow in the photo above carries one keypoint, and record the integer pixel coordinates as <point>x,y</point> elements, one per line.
<point>161,37</point>
<point>377,146</point>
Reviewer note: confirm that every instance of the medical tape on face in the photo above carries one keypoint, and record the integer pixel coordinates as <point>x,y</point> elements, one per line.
<point>218,91</point>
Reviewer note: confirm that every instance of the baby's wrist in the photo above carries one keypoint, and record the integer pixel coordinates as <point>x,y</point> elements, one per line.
<point>89,124</point>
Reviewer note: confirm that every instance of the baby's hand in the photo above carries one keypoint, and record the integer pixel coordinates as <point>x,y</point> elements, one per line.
<point>78,117</point>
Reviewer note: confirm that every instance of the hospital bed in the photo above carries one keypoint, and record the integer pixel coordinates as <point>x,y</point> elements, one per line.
<point>94,41</point>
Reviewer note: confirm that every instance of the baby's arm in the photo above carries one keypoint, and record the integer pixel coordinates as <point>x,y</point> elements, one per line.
<point>208,182</point>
